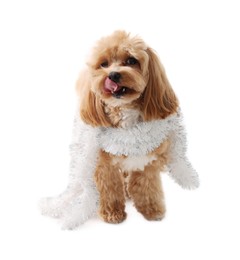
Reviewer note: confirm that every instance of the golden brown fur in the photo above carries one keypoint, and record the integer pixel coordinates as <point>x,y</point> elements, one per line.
<point>139,91</point>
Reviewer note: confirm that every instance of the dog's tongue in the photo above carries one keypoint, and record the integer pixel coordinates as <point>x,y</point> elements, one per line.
<point>110,86</point>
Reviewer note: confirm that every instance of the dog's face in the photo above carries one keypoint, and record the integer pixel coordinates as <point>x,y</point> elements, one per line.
<point>123,71</point>
<point>119,69</point>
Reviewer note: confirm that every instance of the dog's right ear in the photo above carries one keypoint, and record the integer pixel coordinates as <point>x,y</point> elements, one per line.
<point>91,107</point>
<point>160,100</point>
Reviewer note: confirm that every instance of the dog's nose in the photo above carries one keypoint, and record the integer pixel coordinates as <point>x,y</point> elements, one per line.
<point>114,76</point>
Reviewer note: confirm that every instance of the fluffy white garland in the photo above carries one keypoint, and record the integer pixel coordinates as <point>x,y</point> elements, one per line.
<point>80,200</point>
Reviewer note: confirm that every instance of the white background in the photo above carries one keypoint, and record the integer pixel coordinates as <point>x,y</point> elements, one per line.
<point>43,45</point>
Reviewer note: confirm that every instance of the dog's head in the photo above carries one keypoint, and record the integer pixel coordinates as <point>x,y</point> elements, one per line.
<point>123,70</point>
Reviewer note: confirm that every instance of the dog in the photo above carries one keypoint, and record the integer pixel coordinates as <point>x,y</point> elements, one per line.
<point>124,84</point>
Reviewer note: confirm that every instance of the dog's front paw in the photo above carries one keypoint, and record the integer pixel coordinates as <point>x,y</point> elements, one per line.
<point>152,212</point>
<point>113,217</point>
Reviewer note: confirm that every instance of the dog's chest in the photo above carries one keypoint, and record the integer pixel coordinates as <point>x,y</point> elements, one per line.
<point>123,117</point>
<point>133,163</point>
<point>129,117</point>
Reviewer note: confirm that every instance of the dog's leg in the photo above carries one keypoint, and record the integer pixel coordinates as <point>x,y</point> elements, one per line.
<point>110,184</point>
<point>146,191</point>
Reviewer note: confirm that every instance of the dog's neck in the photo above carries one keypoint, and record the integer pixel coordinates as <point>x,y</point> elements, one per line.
<point>124,116</point>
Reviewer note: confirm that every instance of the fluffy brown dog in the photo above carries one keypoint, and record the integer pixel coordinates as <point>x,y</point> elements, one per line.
<point>125,83</point>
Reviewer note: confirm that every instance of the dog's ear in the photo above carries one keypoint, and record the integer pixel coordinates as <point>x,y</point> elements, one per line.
<point>91,107</point>
<point>159,99</point>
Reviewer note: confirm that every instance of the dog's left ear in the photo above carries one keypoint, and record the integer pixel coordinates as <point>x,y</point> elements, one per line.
<point>159,100</point>
<point>91,107</point>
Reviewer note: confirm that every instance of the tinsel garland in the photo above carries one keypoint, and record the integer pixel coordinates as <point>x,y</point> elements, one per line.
<point>80,200</point>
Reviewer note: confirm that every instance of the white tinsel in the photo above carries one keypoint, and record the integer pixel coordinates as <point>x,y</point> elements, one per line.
<point>80,200</point>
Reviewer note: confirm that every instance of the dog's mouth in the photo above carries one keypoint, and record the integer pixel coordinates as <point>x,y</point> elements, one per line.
<point>113,88</point>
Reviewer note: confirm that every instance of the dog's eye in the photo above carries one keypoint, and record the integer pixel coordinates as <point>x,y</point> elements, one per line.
<point>104,64</point>
<point>131,61</point>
